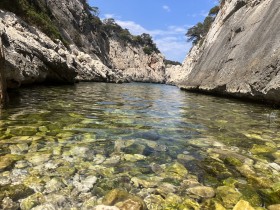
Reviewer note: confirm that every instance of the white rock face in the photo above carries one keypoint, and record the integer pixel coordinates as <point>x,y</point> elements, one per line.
<point>135,65</point>
<point>240,54</point>
<point>32,57</point>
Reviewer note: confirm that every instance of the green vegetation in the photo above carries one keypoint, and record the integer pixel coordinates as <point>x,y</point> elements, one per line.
<point>34,13</point>
<point>169,62</point>
<point>113,29</point>
<point>198,32</point>
<point>37,13</point>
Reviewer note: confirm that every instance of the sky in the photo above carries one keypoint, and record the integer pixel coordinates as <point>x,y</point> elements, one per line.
<point>167,21</point>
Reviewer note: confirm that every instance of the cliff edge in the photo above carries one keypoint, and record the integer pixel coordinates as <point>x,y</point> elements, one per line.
<point>240,54</point>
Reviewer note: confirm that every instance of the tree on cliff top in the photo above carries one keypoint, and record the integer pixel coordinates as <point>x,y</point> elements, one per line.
<point>200,30</point>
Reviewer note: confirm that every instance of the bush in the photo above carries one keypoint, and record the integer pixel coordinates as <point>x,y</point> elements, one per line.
<point>33,13</point>
<point>145,40</point>
<point>199,31</point>
<point>166,62</point>
<point>148,50</point>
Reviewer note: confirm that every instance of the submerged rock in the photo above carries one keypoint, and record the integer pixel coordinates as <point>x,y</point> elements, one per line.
<point>228,196</point>
<point>54,185</point>
<point>103,207</point>
<point>123,200</point>
<point>32,201</point>
<point>274,207</point>
<point>15,192</point>
<point>241,205</point>
<point>9,204</point>
<point>176,170</point>
<point>7,161</point>
<point>38,158</point>
<point>202,191</point>
<point>18,149</point>
<point>84,184</point>
<point>262,149</point>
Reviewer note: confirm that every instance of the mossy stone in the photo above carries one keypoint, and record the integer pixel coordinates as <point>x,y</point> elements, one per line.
<point>231,182</point>
<point>176,170</point>
<point>123,200</point>
<point>189,204</point>
<point>15,192</point>
<point>8,160</point>
<point>32,201</point>
<point>202,191</point>
<point>262,149</point>
<point>233,161</point>
<point>216,168</point>
<point>241,205</point>
<point>269,196</point>
<point>228,196</point>
<point>212,204</point>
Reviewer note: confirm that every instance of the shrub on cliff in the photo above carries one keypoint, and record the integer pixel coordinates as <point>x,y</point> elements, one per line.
<point>34,13</point>
<point>169,62</point>
<point>199,31</point>
<point>112,29</point>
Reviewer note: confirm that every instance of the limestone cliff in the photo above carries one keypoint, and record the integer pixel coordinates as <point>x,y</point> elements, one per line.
<point>3,96</point>
<point>61,41</point>
<point>240,54</point>
<point>135,64</point>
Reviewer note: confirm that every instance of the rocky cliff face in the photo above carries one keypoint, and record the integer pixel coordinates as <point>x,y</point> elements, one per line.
<point>3,96</point>
<point>85,53</point>
<point>240,55</point>
<point>135,64</point>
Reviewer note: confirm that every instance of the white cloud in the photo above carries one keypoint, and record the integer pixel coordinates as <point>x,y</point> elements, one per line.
<point>107,16</point>
<point>171,42</point>
<point>133,27</point>
<point>174,48</point>
<point>166,8</point>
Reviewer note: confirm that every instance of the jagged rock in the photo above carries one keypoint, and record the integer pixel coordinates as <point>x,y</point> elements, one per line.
<point>239,55</point>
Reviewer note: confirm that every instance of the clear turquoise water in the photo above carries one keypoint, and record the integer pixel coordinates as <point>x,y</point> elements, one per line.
<point>159,122</point>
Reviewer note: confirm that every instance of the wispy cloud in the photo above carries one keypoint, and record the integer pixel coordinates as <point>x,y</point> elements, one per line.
<point>166,8</point>
<point>107,16</point>
<point>133,27</point>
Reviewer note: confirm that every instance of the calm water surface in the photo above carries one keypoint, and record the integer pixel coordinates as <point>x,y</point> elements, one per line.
<point>79,142</point>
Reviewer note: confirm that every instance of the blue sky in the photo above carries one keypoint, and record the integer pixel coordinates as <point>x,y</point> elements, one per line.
<point>166,20</point>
